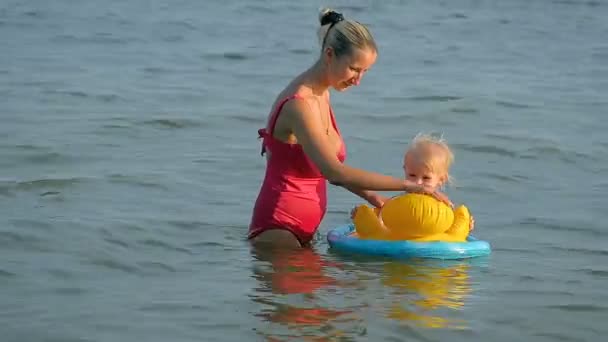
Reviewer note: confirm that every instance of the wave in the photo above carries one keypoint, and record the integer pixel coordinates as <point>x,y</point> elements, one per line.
<point>41,184</point>
<point>173,123</point>
<point>513,105</point>
<point>135,180</point>
<point>547,152</point>
<point>434,98</point>
<point>163,245</point>
<point>230,55</point>
<point>105,98</point>
<point>21,241</point>
<point>580,250</point>
<point>594,272</point>
<point>101,38</point>
<point>578,307</point>
<point>511,178</point>
<point>489,149</point>
<point>555,226</point>
<point>259,120</point>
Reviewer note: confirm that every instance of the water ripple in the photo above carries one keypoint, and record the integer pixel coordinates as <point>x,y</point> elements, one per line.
<point>40,184</point>
<point>7,274</point>
<point>156,70</point>
<point>594,272</point>
<point>513,105</point>
<point>458,16</point>
<point>173,123</point>
<point>578,3</point>
<point>553,226</point>
<point>434,98</point>
<point>464,110</point>
<point>104,98</point>
<point>206,244</point>
<point>152,266</point>
<point>70,291</point>
<point>544,152</point>
<point>113,264</point>
<point>60,273</point>
<point>489,149</point>
<point>101,38</point>
<point>513,178</point>
<point>164,245</point>
<point>173,307</point>
<point>514,137</point>
<point>231,56</point>
<point>31,223</point>
<point>578,307</point>
<point>517,250</point>
<point>258,120</point>
<point>187,225</point>
<point>22,241</point>
<point>555,336</point>
<point>136,180</point>
<point>116,127</point>
<point>116,242</point>
<point>584,251</point>
<point>35,154</point>
<point>301,51</point>
<point>533,292</point>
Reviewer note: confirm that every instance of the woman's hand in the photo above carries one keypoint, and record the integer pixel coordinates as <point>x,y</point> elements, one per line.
<point>425,190</point>
<point>377,200</point>
<point>374,199</point>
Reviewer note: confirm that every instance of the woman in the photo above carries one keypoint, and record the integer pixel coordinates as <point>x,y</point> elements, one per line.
<point>303,145</point>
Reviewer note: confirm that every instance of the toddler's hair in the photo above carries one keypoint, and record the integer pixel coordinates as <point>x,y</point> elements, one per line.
<point>425,147</point>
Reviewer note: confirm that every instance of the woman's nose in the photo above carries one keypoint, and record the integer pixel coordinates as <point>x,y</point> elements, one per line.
<point>357,79</point>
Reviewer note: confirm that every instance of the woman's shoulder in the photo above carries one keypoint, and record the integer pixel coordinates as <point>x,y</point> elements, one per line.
<point>296,99</point>
<point>295,104</point>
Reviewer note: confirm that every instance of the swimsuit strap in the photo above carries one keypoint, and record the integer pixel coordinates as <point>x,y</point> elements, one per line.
<point>275,115</point>
<point>273,120</point>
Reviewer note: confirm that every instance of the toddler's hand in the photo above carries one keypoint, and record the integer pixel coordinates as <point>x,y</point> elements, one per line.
<point>472,224</point>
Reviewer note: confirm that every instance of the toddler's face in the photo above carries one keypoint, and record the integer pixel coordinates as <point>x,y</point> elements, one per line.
<point>419,173</point>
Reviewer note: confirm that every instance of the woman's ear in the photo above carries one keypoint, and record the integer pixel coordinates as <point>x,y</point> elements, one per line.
<point>328,54</point>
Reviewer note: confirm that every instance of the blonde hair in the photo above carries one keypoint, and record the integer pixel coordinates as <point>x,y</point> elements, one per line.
<point>345,35</point>
<point>425,147</point>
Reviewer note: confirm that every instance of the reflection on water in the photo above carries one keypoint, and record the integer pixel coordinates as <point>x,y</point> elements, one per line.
<point>290,281</point>
<point>302,293</point>
<point>424,290</point>
<point>285,271</point>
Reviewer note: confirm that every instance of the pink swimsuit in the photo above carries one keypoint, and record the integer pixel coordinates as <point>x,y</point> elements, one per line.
<point>294,192</point>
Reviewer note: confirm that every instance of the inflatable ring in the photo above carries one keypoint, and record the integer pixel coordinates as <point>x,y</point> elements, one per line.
<point>342,239</point>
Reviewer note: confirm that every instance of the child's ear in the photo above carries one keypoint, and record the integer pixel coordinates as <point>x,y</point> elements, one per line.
<point>444,180</point>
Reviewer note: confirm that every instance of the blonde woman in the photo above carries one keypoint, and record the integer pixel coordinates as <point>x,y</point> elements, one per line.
<point>303,145</point>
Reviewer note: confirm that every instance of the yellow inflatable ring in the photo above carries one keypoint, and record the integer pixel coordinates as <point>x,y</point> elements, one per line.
<point>413,217</point>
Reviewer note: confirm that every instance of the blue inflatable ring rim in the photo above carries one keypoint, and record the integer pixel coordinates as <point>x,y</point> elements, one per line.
<point>340,239</point>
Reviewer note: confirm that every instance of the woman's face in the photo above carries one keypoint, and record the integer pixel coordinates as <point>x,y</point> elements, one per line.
<point>348,70</point>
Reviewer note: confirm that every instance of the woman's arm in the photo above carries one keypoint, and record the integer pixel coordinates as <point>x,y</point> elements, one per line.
<point>306,125</point>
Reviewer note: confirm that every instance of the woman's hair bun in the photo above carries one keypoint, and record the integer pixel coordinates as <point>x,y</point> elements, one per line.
<point>329,16</point>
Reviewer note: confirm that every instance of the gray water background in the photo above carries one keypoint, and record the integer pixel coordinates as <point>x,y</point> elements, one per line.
<point>129,163</point>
